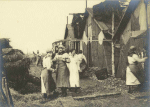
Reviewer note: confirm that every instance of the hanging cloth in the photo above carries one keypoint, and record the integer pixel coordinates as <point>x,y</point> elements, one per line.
<point>142,17</point>
<point>84,38</point>
<point>101,37</point>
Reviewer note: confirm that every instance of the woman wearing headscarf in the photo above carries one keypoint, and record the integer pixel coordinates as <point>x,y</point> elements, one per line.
<point>133,72</point>
<point>47,82</point>
<point>62,72</point>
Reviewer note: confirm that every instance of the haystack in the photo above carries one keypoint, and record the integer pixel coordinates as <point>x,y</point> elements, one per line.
<point>16,66</point>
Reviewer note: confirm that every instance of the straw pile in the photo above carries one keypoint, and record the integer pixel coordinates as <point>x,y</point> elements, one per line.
<point>16,66</point>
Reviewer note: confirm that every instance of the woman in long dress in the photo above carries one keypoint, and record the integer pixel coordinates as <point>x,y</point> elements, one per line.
<point>133,72</point>
<point>74,71</point>
<point>47,82</point>
<point>62,72</point>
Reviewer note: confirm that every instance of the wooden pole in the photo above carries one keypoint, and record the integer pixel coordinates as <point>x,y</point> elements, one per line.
<point>78,37</point>
<point>86,4</point>
<point>113,65</point>
<point>88,56</point>
<point>7,95</point>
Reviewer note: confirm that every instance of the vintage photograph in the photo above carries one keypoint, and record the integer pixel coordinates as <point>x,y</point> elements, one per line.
<point>74,53</point>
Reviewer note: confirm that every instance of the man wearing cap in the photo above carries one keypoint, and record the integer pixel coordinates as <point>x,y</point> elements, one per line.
<point>47,82</point>
<point>62,72</point>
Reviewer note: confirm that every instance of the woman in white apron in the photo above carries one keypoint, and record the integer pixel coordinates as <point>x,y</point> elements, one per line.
<point>47,82</point>
<point>133,72</point>
<point>74,71</point>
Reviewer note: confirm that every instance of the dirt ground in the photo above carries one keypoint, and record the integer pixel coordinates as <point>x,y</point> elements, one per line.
<point>89,86</point>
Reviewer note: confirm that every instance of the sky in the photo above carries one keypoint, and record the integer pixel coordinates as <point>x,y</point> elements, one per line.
<point>35,25</point>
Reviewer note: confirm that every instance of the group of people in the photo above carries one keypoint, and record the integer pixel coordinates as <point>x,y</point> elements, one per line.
<point>67,65</point>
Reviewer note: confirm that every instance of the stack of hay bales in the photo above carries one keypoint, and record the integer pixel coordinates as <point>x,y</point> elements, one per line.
<point>16,66</point>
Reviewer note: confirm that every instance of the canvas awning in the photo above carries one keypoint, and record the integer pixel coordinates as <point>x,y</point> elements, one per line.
<point>138,34</point>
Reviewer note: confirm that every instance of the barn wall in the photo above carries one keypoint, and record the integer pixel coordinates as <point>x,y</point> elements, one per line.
<point>85,49</point>
<point>117,56</point>
<point>100,54</point>
<point>108,55</point>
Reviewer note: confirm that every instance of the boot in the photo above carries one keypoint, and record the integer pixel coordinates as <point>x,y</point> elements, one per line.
<point>44,98</point>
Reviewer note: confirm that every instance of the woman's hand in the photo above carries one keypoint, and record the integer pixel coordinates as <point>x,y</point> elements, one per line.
<point>68,60</point>
<point>63,59</point>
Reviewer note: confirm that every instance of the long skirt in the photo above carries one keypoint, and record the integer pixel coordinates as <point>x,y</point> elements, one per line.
<point>62,75</point>
<point>74,75</point>
<point>133,75</point>
<point>47,82</point>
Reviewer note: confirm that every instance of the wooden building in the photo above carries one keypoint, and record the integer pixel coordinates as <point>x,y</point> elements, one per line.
<point>132,31</point>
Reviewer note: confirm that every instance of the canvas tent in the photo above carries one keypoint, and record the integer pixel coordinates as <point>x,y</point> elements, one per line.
<point>132,31</point>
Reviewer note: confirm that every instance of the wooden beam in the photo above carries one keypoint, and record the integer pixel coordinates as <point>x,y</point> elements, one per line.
<point>86,40</point>
<point>113,65</point>
<point>76,13</point>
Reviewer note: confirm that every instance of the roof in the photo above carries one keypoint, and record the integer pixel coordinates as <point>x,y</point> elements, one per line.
<point>69,27</point>
<point>125,19</point>
<point>66,32</point>
<point>90,11</point>
<point>103,12</point>
<point>103,25</point>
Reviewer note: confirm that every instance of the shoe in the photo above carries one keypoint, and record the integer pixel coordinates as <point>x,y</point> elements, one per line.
<point>43,100</point>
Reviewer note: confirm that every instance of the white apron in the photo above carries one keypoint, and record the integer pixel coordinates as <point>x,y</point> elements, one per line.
<point>74,73</point>
<point>130,78</point>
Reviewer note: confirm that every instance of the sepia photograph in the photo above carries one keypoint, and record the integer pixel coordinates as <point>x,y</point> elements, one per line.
<point>74,53</point>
